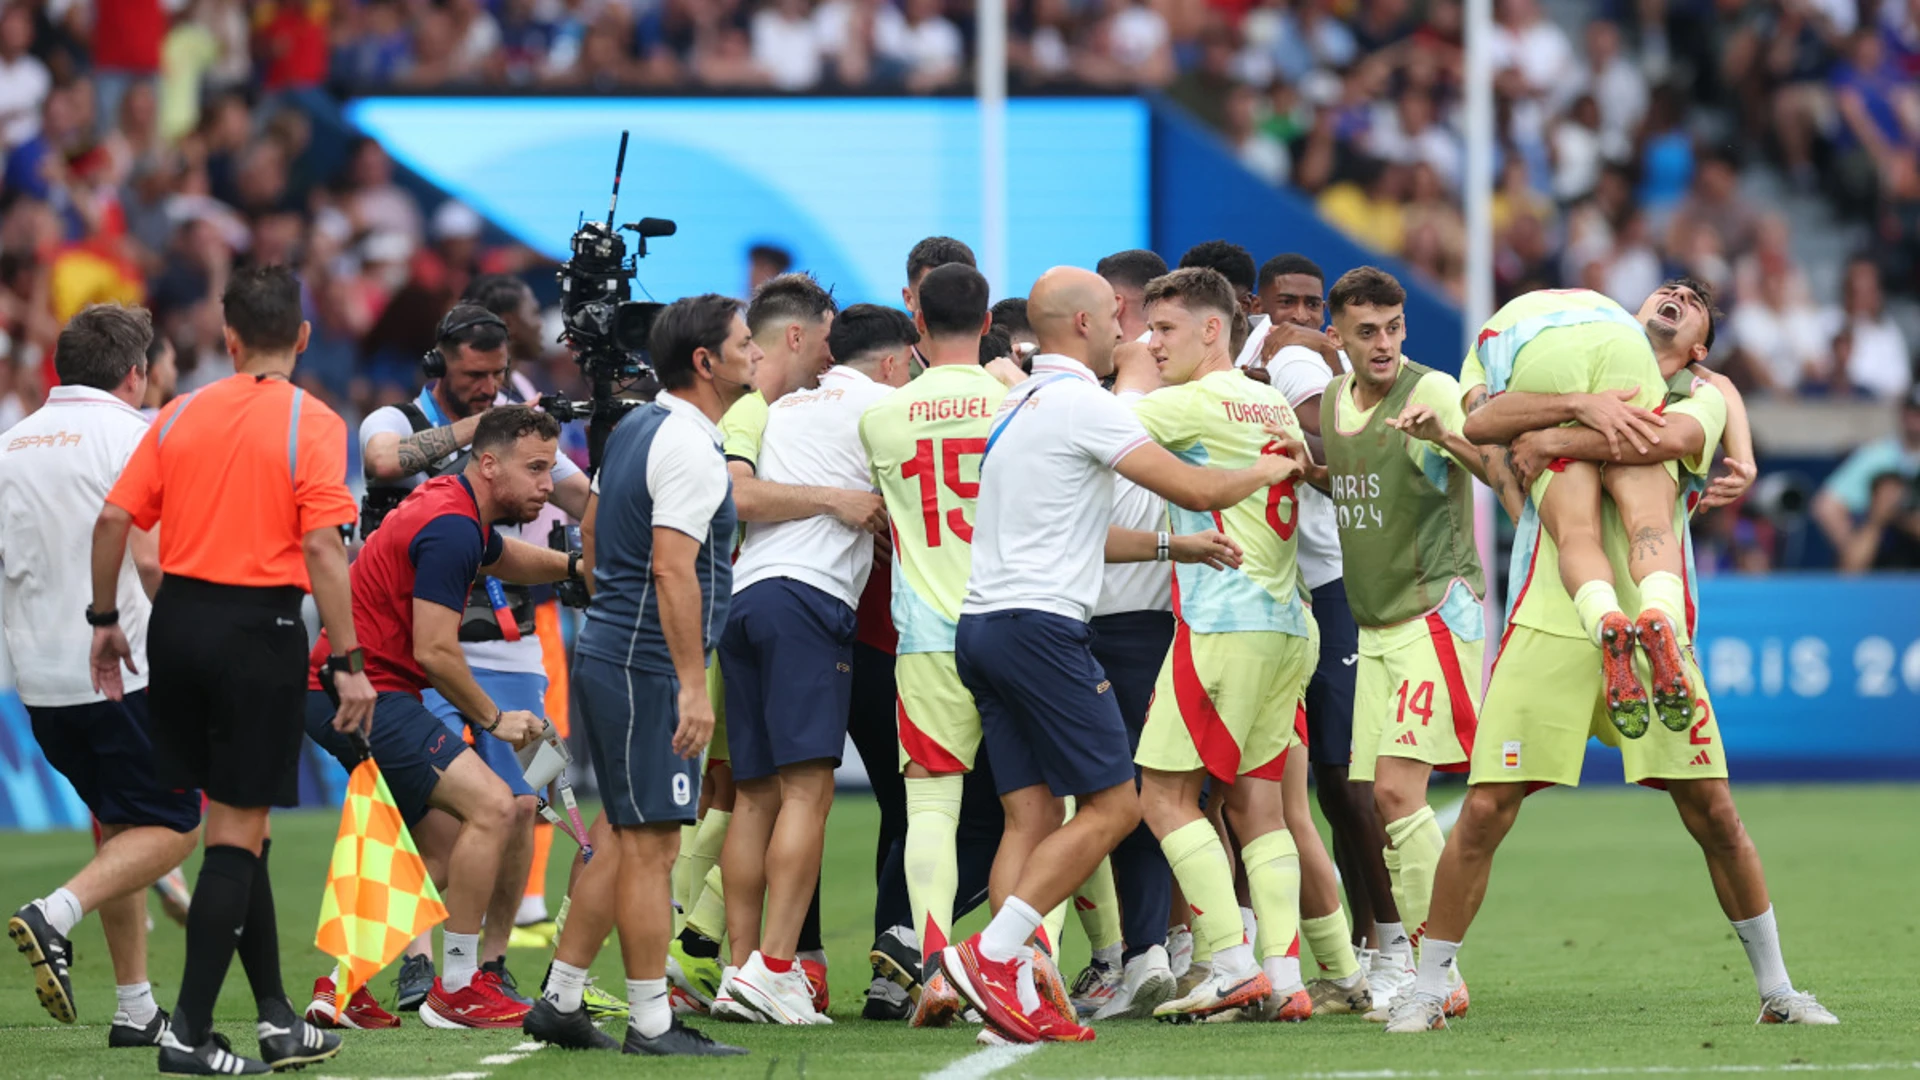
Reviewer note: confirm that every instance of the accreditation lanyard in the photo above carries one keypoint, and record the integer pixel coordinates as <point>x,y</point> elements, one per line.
<point>1000,427</point>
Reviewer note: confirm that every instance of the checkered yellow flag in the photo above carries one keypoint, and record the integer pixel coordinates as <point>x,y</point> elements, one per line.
<point>378,894</point>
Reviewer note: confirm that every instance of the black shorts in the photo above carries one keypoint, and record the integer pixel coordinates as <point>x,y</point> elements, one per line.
<point>228,690</point>
<point>1330,693</point>
<point>105,750</point>
<point>410,744</point>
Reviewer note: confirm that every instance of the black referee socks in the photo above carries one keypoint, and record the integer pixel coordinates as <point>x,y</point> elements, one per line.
<point>259,946</point>
<point>215,921</point>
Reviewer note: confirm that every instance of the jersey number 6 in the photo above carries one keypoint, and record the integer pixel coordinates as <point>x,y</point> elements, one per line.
<point>951,451</point>
<point>1275,494</point>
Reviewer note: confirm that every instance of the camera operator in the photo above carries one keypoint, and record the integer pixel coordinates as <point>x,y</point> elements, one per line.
<point>403,446</point>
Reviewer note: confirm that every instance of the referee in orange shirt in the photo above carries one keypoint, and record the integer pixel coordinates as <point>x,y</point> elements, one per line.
<point>246,481</point>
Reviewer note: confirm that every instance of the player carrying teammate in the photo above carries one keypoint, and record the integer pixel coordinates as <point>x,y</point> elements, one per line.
<point>925,443</point>
<point>1399,466</point>
<point>1545,696</point>
<point>1574,341</point>
<point>1243,650</point>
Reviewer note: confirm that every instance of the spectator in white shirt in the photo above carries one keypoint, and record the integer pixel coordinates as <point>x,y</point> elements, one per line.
<point>1576,151</point>
<point>24,82</point>
<point>927,44</point>
<point>788,45</point>
<point>1878,362</point>
<point>1406,134</point>
<point>1786,345</point>
<point>1617,87</point>
<point>56,468</point>
<point>1525,42</point>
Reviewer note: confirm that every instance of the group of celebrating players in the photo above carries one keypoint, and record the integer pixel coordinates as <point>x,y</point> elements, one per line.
<point>1071,572</point>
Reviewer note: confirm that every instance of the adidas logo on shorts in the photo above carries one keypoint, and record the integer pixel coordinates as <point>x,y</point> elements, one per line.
<point>1702,758</point>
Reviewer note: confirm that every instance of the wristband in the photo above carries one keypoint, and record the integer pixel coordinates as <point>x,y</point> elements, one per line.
<point>573,564</point>
<point>97,619</point>
<point>497,716</point>
<point>1162,547</point>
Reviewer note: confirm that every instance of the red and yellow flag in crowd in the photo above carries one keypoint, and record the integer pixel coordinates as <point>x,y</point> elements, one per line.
<point>378,894</point>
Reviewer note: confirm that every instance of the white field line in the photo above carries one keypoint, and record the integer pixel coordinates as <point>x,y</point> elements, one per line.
<point>980,1065</point>
<point>1597,1070</point>
<point>520,1050</point>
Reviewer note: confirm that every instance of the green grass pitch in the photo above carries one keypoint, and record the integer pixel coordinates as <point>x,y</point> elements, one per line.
<point>1600,952</point>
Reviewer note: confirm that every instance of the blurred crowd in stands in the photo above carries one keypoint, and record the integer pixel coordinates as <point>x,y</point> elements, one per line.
<point>149,146</point>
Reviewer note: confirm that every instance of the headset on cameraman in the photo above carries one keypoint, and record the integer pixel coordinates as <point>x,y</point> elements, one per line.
<point>380,499</point>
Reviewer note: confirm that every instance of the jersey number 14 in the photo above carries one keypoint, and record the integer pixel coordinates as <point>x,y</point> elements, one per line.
<point>922,466</point>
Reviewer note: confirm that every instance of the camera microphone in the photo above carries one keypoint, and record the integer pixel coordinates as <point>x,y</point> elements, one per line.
<point>654,226</point>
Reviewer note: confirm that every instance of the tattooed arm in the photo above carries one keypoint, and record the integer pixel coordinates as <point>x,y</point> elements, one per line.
<point>390,456</point>
<point>1496,464</point>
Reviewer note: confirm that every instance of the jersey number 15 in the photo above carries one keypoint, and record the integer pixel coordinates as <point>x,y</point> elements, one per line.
<point>922,466</point>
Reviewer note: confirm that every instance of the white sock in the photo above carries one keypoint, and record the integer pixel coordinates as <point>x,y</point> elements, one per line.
<point>1007,935</point>
<point>62,910</point>
<point>1109,957</point>
<point>565,984</point>
<point>1394,941</point>
<point>136,1001</point>
<point>533,909</point>
<point>1029,993</point>
<point>1234,961</point>
<point>459,959</point>
<point>647,1009</point>
<point>1436,964</point>
<point>1761,938</point>
<point>1249,925</point>
<point>1284,973</point>
<point>818,956</point>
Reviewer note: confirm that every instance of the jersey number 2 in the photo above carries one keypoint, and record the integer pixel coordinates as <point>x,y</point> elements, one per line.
<point>922,467</point>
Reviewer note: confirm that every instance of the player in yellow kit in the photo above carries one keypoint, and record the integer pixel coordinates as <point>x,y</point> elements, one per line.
<point>1545,698</point>
<point>1564,342</point>
<point>1401,479</point>
<point>925,442</point>
<point>1244,647</point>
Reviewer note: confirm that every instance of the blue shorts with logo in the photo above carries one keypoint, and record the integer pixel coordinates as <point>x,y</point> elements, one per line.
<point>788,655</point>
<point>410,744</point>
<point>1330,692</point>
<point>630,717</point>
<point>1048,714</point>
<point>105,750</point>
<point>511,691</point>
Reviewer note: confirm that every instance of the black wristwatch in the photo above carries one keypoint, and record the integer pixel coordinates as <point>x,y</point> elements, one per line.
<point>573,564</point>
<point>109,617</point>
<point>352,662</point>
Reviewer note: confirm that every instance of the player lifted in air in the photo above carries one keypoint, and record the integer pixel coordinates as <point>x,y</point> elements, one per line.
<point>1575,341</point>
<point>1243,649</point>
<point>1546,698</point>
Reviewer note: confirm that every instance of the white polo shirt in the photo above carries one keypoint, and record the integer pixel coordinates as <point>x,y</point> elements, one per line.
<point>813,438</point>
<point>56,467</point>
<point>1046,493</point>
<point>1302,374</point>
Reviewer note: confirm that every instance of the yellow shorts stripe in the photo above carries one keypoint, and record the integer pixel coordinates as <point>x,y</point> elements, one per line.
<point>1226,703</point>
<point>1420,701</point>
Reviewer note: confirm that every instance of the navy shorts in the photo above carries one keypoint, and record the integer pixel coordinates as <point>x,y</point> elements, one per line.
<point>1048,714</point>
<point>105,750</point>
<point>788,655</point>
<point>410,744</point>
<point>1130,647</point>
<point>630,718</point>
<point>1330,693</point>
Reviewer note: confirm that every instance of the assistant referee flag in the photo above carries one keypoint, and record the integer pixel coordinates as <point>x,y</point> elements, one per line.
<point>378,894</point>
